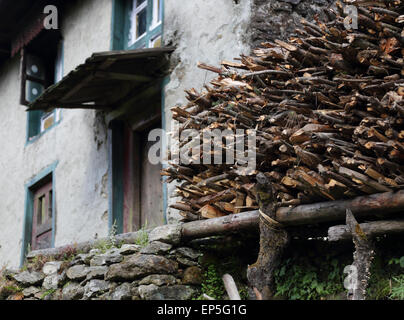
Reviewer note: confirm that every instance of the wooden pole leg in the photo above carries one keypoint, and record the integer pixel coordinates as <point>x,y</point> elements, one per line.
<point>261,274</point>
<point>363,256</point>
<point>273,240</point>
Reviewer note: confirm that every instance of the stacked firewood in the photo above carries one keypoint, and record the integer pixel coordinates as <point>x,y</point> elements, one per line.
<point>327,107</point>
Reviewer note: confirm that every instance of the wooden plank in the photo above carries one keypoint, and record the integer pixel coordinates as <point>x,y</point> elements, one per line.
<point>125,107</point>
<point>123,76</point>
<point>77,88</point>
<point>130,54</point>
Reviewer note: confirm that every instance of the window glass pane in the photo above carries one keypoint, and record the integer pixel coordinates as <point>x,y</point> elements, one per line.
<point>59,63</point>
<point>141,23</point>
<point>156,42</point>
<point>47,120</point>
<point>35,67</point>
<point>33,90</point>
<point>138,3</point>
<point>160,10</point>
<point>50,206</point>
<point>41,209</point>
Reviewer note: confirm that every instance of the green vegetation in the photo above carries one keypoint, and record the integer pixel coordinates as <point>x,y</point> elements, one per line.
<point>226,255</point>
<point>67,254</point>
<point>37,263</point>
<point>299,279</point>
<point>107,244</point>
<point>397,289</point>
<point>315,271</point>
<point>142,237</point>
<point>212,284</point>
<point>387,278</point>
<point>111,242</point>
<point>48,293</point>
<point>13,289</point>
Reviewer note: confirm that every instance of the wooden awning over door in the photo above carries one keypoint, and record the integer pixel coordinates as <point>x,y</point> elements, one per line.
<point>106,80</point>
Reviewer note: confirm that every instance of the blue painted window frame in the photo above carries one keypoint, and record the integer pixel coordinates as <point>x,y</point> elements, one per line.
<point>121,26</point>
<point>29,208</point>
<point>34,125</point>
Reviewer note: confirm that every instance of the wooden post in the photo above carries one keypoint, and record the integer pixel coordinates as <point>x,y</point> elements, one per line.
<point>363,256</point>
<point>273,240</point>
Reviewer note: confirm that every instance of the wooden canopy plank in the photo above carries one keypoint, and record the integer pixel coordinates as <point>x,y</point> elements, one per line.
<point>122,76</point>
<point>77,87</point>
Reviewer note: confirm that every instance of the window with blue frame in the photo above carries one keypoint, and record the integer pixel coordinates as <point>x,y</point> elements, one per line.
<point>42,66</point>
<point>137,24</point>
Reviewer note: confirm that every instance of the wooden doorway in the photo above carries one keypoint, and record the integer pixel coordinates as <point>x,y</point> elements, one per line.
<point>143,187</point>
<point>42,217</point>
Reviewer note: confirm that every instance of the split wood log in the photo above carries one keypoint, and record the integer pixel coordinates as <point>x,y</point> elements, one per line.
<point>371,229</point>
<point>363,256</point>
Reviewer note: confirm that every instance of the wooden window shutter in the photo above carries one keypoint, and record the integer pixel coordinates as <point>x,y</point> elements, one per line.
<point>33,77</point>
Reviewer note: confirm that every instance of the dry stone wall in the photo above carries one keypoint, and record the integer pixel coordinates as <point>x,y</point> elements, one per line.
<point>161,270</point>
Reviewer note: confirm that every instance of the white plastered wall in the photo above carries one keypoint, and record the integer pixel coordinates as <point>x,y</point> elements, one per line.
<point>78,143</point>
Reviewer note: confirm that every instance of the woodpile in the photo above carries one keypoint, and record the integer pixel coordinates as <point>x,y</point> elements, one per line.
<point>328,110</point>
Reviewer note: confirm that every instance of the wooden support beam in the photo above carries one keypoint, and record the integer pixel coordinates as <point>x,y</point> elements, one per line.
<point>371,229</point>
<point>231,223</point>
<point>376,204</point>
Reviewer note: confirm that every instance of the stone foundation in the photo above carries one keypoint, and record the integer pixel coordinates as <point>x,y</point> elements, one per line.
<point>147,265</point>
<point>163,269</point>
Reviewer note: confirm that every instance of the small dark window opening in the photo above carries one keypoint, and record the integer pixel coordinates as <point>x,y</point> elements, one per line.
<point>41,67</point>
